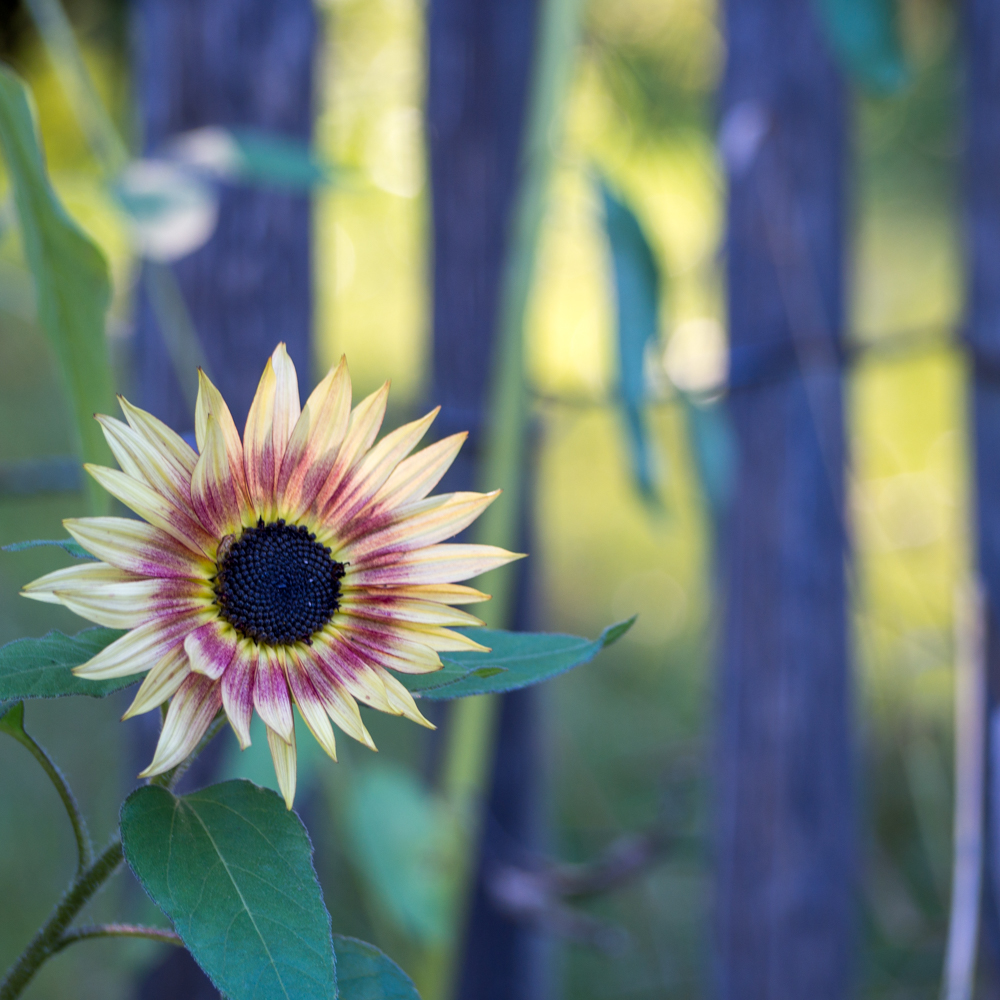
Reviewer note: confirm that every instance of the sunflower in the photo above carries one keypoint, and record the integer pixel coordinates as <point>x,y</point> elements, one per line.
<point>300,565</point>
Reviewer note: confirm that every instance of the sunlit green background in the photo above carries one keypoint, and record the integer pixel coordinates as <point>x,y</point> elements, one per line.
<point>630,734</point>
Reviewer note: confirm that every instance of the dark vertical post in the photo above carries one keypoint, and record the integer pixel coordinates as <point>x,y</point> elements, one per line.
<point>784,800</point>
<point>982,207</point>
<point>243,64</point>
<point>479,68</point>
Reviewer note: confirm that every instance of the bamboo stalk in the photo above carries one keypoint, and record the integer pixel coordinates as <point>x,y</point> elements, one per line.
<point>472,728</point>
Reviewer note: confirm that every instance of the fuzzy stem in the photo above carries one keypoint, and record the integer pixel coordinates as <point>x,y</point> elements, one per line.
<point>84,849</point>
<point>52,937</point>
<point>47,941</point>
<point>161,934</point>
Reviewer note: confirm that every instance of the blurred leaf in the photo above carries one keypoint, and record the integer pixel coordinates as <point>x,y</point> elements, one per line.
<point>400,839</point>
<point>710,438</point>
<point>637,297</point>
<point>171,212</point>
<point>517,659</point>
<point>51,474</point>
<point>365,973</point>
<point>76,550</point>
<point>250,156</point>
<point>43,668</point>
<point>72,287</point>
<point>232,869</point>
<point>864,35</point>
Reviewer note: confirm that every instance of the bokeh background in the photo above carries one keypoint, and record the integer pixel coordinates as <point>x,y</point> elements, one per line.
<point>628,737</point>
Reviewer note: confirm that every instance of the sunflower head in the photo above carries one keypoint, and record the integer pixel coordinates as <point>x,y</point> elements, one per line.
<point>303,565</point>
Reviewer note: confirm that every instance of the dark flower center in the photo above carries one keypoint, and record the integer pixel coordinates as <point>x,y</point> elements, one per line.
<point>277,584</point>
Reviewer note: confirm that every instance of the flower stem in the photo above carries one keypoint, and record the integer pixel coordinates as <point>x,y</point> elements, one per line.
<point>53,936</point>
<point>47,941</point>
<point>161,934</point>
<point>14,726</point>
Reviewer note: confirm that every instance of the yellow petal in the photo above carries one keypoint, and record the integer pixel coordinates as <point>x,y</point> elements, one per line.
<point>160,683</point>
<point>315,441</point>
<point>417,475</point>
<point>155,508</point>
<point>448,563</point>
<point>138,547</point>
<point>191,712</point>
<point>283,755</point>
<point>210,401</point>
<point>157,433</point>
<point>73,578</point>
<point>217,497</point>
<point>135,602</point>
<point>401,699</point>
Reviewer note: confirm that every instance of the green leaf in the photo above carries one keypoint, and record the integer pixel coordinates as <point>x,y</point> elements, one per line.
<point>710,438</point>
<point>43,668</point>
<point>400,838</point>
<point>232,869</point>
<point>277,161</point>
<point>76,550</point>
<point>637,297</point>
<point>517,659</point>
<point>864,35</point>
<point>365,973</point>
<point>72,286</point>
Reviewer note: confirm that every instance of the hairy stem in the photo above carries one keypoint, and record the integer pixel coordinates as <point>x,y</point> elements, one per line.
<point>46,942</point>
<point>53,936</point>
<point>161,934</point>
<point>84,849</point>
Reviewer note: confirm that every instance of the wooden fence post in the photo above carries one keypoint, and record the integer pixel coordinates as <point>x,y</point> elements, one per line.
<point>784,809</point>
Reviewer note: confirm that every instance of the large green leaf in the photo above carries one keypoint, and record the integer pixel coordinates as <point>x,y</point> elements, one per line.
<point>516,660</point>
<point>365,973</point>
<point>43,668</point>
<point>232,869</point>
<point>72,286</point>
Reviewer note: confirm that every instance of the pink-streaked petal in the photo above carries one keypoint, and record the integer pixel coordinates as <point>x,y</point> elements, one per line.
<point>237,690</point>
<point>387,648</point>
<point>218,499</point>
<point>362,429</point>
<point>316,439</point>
<point>376,631</point>
<point>191,712</point>
<point>369,474</point>
<point>210,402</point>
<point>389,608</point>
<point>425,523</point>
<point>311,706</point>
<point>142,648</point>
<point>283,755</point>
<point>417,475</point>
<point>131,604</point>
<point>441,593</point>
<point>270,691</point>
<point>147,463</point>
<point>339,704</point>
<point>448,563</point>
<point>345,666</point>
<point>138,547</point>
<point>401,700</point>
<point>211,648</point>
<point>273,414</point>
<point>160,683</point>
<point>159,510</point>
<point>74,578</point>
<point>157,433</point>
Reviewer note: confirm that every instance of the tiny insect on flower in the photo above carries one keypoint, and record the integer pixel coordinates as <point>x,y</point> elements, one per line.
<point>302,565</point>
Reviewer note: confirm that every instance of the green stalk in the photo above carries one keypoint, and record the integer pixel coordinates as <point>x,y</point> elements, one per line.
<point>471,730</point>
